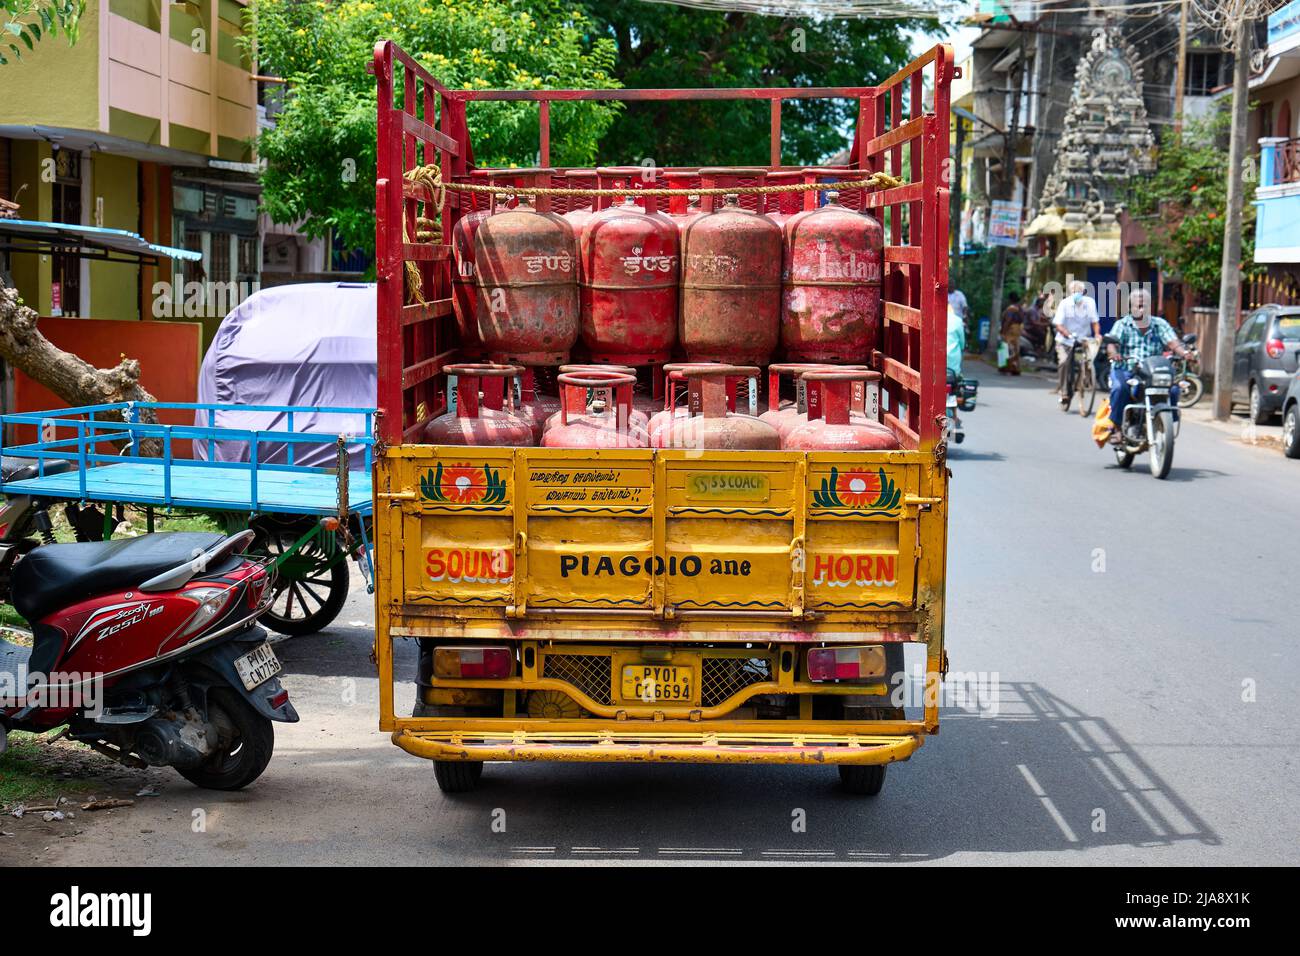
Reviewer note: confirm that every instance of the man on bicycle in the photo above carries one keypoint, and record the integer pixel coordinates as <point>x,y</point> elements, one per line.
<point>1140,336</point>
<point>1076,319</point>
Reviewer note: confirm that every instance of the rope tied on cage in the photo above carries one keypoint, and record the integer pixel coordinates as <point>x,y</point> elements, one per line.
<point>426,228</point>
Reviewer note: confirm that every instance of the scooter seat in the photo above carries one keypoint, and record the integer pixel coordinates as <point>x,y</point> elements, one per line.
<point>20,469</point>
<point>56,575</point>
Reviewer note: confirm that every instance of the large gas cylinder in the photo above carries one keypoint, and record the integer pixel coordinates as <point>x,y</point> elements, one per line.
<point>629,262</point>
<point>710,424</point>
<point>731,279</point>
<point>475,420</point>
<point>830,305</point>
<point>526,265</point>
<point>580,208</point>
<point>680,208</point>
<point>609,428</point>
<point>837,429</point>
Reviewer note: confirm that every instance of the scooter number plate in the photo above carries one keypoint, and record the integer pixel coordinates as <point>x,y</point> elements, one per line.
<point>258,666</point>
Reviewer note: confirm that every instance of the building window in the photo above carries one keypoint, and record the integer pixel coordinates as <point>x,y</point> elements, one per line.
<point>1206,72</point>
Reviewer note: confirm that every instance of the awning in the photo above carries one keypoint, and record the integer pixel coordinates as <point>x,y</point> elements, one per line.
<point>85,242</point>
<point>1093,252</point>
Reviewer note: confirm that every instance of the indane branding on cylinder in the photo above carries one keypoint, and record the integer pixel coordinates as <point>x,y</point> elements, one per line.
<point>636,262</point>
<point>560,263</point>
<point>842,267</point>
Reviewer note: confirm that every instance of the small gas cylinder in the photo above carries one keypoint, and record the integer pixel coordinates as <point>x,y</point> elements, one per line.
<point>731,277</point>
<point>577,404</point>
<point>830,304</point>
<point>710,424</point>
<point>526,270</point>
<point>610,428</point>
<point>675,391</point>
<point>784,416</point>
<point>837,429</point>
<point>478,421</point>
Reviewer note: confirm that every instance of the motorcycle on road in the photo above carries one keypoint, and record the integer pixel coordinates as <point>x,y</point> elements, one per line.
<point>1150,421</point>
<point>147,648</point>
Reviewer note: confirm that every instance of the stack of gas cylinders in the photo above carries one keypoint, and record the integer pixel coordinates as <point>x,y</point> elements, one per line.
<point>724,286</point>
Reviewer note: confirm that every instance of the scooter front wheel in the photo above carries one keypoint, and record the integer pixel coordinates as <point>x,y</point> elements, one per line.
<point>244,749</point>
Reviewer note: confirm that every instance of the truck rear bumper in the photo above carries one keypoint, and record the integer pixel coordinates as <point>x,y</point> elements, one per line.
<point>649,747</point>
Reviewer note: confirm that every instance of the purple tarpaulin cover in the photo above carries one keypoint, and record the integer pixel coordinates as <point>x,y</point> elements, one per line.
<point>309,344</point>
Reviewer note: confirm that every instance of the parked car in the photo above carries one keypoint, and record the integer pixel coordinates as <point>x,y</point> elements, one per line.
<point>1264,360</point>
<point>1291,419</point>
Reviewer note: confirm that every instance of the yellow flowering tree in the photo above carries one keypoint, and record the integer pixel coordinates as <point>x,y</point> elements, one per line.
<point>321,152</point>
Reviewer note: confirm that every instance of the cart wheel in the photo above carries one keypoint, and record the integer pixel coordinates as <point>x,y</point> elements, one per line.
<point>457,776</point>
<point>863,781</point>
<point>309,591</point>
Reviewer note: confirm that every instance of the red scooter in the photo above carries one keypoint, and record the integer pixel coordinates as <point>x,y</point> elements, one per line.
<point>147,648</point>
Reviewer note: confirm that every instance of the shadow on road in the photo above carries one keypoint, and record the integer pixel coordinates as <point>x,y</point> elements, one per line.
<point>1040,776</point>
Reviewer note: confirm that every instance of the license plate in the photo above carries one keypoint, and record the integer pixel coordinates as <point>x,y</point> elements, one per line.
<point>257,666</point>
<point>655,682</point>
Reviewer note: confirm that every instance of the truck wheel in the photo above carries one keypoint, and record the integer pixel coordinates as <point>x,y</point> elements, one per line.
<point>457,776</point>
<point>863,781</point>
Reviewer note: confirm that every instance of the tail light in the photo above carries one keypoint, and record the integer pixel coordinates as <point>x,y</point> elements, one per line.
<point>846,663</point>
<point>490,663</point>
<point>257,584</point>
<point>212,602</point>
<point>1274,348</point>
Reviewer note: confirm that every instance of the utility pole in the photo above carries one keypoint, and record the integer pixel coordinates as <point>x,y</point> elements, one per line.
<point>1230,283</point>
<point>1007,182</point>
<point>1181,76</point>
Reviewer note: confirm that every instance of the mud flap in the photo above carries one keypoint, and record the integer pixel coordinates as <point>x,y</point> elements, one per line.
<point>221,661</point>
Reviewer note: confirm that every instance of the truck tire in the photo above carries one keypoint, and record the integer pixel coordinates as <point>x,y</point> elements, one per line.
<point>457,776</point>
<point>863,781</point>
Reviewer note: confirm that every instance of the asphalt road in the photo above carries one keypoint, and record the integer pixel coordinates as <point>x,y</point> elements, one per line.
<point>1141,633</point>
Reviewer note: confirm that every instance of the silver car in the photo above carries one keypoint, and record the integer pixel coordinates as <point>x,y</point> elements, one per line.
<point>1264,359</point>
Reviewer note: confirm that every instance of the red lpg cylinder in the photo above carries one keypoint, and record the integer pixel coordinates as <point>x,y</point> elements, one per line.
<point>576,403</point>
<point>475,421</point>
<point>731,278</point>
<point>532,407</point>
<point>710,424</point>
<point>628,276</point>
<point>680,208</point>
<point>830,306</point>
<point>724,177</point>
<point>526,265</point>
<point>580,208</point>
<point>675,391</point>
<point>783,416</point>
<point>781,206</point>
<point>838,429</point>
<point>611,428</point>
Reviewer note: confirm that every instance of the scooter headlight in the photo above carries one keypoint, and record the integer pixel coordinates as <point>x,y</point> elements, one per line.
<point>212,602</point>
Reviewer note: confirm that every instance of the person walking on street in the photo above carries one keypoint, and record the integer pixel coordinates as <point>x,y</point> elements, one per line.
<point>1076,320</point>
<point>1013,323</point>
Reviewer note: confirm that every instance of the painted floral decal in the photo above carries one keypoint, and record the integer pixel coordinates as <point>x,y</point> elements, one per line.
<point>463,484</point>
<point>858,489</point>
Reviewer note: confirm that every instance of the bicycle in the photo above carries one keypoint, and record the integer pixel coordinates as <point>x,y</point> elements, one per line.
<point>1081,377</point>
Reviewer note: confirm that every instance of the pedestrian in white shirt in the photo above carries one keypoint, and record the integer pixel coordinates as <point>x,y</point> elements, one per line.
<point>1075,320</point>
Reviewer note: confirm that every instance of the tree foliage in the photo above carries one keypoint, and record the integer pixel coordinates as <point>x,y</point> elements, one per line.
<point>1183,203</point>
<point>26,22</point>
<point>321,152</point>
<point>664,46</point>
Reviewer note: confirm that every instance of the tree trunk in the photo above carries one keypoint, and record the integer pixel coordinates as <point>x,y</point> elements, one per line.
<point>73,379</point>
<point>1230,282</point>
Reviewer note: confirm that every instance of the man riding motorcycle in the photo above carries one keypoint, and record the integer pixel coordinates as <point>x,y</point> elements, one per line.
<point>1140,336</point>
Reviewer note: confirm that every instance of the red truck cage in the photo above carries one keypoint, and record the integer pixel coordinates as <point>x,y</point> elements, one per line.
<point>423,122</point>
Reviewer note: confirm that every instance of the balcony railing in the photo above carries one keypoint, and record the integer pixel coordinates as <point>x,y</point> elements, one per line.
<point>1279,161</point>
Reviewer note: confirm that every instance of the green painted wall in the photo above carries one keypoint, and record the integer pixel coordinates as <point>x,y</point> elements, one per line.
<point>64,78</point>
<point>114,286</point>
<point>32,272</point>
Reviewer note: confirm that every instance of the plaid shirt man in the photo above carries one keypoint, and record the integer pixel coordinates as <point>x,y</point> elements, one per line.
<point>1136,344</point>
